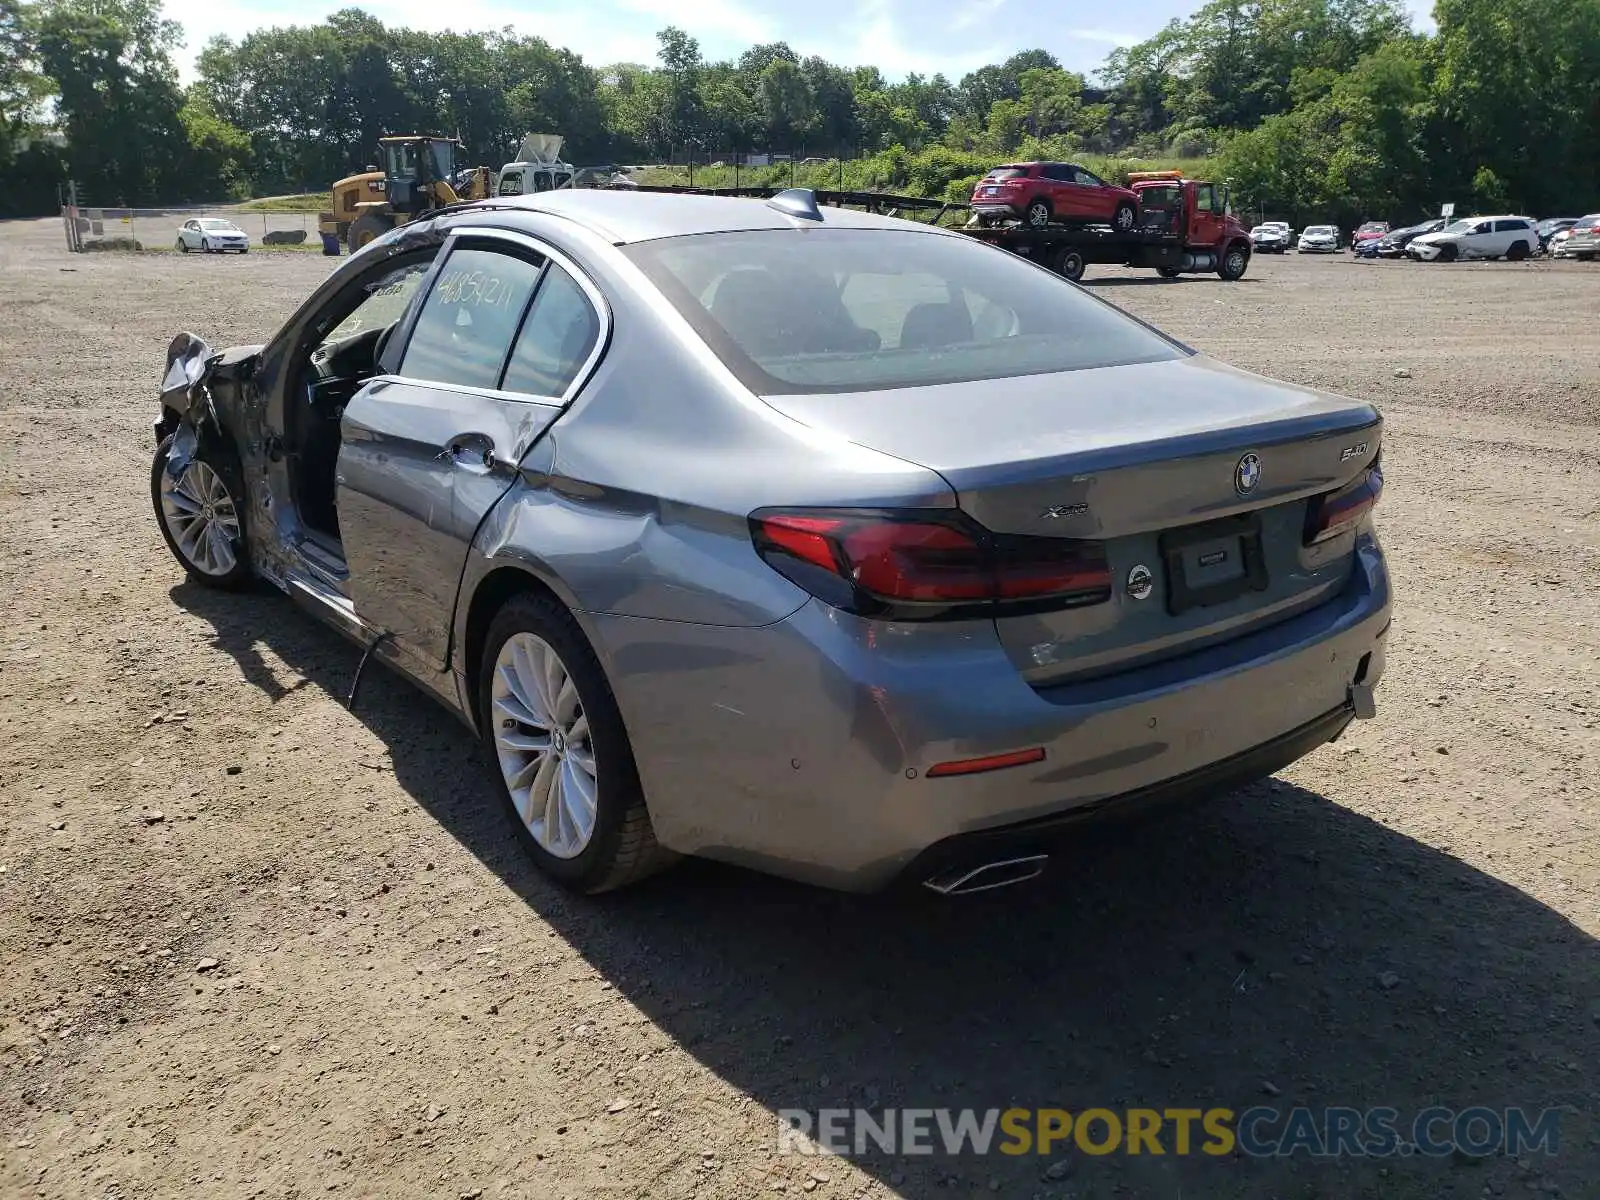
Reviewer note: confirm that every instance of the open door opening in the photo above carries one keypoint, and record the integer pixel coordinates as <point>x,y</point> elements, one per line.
<point>328,372</point>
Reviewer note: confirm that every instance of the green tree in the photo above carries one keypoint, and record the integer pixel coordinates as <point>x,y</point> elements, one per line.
<point>117,95</point>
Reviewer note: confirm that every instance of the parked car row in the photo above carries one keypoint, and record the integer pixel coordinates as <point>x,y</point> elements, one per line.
<point>1580,239</point>
<point>1509,236</point>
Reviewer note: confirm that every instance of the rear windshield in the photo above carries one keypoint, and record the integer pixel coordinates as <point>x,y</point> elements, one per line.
<point>1007,173</point>
<point>845,310</point>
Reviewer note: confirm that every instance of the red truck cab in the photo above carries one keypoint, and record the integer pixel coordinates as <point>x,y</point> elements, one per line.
<point>1196,211</point>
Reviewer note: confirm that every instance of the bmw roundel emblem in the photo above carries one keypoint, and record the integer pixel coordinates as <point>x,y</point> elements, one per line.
<point>1247,474</point>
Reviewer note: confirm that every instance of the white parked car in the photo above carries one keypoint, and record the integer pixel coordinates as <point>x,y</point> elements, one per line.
<point>1318,239</point>
<point>1271,237</point>
<point>1509,237</point>
<point>212,233</point>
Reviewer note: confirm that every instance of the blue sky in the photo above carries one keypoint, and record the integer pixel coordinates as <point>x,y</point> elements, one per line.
<point>898,36</point>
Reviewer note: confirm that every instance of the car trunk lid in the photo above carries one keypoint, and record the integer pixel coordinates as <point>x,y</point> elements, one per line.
<point>1195,477</point>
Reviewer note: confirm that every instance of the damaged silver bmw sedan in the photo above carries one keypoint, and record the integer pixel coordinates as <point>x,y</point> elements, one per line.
<point>844,548</point>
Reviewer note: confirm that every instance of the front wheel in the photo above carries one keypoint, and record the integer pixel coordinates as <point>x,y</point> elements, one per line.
<point>552,728</point>
<point>1448,253</point>
<point>201,513</point>
<point>366,228</point>
<point>1168,272</point>
<point>1233,264</point>
<point>1038,213</point>
<point>1124,218</point>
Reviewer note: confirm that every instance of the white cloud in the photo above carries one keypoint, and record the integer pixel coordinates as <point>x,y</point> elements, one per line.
<point>974,12</point>
<point>874,38</point>
<point>1106,37</point>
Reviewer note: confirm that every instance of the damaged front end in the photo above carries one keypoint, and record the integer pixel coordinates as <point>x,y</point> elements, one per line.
<point>188,407</point>
<point>186,401</point>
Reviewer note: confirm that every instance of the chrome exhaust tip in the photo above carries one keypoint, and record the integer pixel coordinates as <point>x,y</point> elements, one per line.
<point>964,881</point>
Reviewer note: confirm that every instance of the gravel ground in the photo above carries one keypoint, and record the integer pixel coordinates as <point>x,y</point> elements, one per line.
<point>255,945</point>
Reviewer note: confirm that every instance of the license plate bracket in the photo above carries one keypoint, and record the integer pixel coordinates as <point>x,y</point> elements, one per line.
<point>1213,562</point>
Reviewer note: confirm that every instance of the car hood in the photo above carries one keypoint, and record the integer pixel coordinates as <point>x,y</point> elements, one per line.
<point>1072,420</point>
<point>1431,239</point>
<point>1317,237</point>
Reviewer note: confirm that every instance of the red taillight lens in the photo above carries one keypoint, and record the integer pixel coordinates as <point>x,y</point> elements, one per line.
<point>1336,512</point>
<point>912,564</point>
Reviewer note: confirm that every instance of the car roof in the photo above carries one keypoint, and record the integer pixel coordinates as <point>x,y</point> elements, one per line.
<point>637,216</point>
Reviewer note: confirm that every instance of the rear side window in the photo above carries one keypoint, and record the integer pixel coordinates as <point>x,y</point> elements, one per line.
<point>1510,226</point>
<point>464,330</point>
<point>847,310</point>
<point>1007,173</point>
<point>556,339</point>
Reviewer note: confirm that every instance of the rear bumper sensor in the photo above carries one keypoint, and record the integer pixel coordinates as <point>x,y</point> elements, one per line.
<point>952,866</point>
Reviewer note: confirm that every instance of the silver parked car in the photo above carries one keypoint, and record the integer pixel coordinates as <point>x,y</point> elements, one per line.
<point>834,545</point>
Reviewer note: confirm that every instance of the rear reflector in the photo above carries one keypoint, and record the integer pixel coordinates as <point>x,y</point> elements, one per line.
<point>992,762</point>
<point>917,564</point>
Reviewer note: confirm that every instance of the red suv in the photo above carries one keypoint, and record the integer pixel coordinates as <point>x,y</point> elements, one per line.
<point>1040,192</point>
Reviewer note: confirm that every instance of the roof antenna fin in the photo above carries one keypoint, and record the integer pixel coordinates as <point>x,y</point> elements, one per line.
<point>797,202</point>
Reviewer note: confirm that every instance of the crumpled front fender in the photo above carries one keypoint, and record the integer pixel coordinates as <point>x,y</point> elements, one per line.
<point>184,392</point>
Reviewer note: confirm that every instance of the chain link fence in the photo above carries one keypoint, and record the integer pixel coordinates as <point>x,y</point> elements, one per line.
<point>94,228</point>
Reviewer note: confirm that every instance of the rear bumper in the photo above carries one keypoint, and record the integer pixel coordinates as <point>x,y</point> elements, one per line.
<point>802,747</point>
<point>997,208</point>
<point>1028,838</point>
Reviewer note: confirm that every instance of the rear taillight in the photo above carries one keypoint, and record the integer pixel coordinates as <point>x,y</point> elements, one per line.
<point>1337,512</point>
<point>913,564</point>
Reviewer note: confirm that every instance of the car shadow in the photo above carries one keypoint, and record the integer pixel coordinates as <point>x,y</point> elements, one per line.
<point>1270,948</point>
<point>1116,281</point>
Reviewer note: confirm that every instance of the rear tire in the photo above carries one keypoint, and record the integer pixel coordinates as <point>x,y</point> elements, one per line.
<point>1038,213</point>
<point>1517,252</point>
<point>619,845</point>
<point>1168,272</point>
<point>1071,264</point>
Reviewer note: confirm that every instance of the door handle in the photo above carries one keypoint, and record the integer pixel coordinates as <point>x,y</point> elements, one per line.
<point>472,450</point>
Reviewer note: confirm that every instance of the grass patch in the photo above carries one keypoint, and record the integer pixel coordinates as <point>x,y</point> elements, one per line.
<point>306,202</point>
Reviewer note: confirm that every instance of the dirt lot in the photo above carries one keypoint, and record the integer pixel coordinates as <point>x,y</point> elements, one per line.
<point>255,945</point>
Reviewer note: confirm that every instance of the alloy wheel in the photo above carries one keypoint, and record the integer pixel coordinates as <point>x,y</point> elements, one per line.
<point>542,742</point>
<point>202,518</point>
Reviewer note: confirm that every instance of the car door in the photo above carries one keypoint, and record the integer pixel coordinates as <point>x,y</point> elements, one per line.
<point>1205,229</point>
<point>1478,242</point>
<point>1066,200</point>
<point>495,350</point>
<point>1509,233</point>
<point>191,234</point>
<point>1093,199</point>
